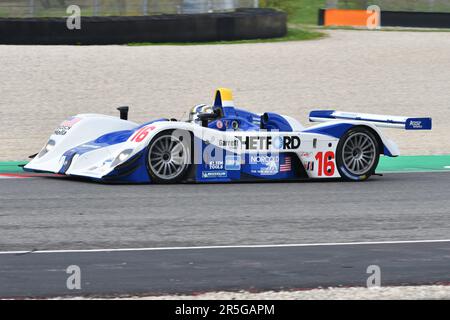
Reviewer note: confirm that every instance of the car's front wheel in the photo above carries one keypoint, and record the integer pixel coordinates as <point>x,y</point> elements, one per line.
<point>168,156</point>
<point>357,154</point>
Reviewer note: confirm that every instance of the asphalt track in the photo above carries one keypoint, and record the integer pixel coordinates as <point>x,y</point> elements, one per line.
<point>61,214</point>
<point>190,271</point>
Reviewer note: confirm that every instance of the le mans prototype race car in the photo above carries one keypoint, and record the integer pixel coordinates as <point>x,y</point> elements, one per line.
<point>221,143</point>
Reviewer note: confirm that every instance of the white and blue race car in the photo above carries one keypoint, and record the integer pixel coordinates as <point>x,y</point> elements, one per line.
<point>221,143</point>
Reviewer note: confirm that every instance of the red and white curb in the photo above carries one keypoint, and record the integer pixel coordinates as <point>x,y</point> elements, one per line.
<point>12,176</point>
<point>24,175</point>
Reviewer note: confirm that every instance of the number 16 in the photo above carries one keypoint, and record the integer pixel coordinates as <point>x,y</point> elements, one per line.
<point>326,163</point>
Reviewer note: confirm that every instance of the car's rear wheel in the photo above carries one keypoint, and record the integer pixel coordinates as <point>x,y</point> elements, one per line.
<point>357,154</point>
<point>168,156</point>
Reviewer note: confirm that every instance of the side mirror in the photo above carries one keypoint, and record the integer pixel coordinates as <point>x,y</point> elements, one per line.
<point>123,112</point>
<point>206,117</point>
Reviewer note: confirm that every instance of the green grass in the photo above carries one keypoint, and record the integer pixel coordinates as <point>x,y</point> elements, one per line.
<point>298,11</point>
<point>294,34</point>
<point>301,14</point>
<point>414,163</point>
<point>12,166</point>
<point>306,11</point>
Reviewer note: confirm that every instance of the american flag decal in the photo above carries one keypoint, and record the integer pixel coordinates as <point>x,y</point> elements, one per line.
<point>287,165</point>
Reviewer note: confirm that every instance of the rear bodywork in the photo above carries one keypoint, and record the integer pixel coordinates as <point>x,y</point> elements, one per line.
<point>240,146</point>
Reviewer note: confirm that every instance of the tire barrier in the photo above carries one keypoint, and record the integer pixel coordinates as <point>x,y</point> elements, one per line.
<point>415,19</point>
<point>260,23</point>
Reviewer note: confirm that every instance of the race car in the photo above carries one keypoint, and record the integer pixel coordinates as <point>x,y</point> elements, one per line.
<point>221,143</point>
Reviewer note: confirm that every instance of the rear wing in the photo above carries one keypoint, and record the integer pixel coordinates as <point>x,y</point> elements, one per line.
<point>407,123</point>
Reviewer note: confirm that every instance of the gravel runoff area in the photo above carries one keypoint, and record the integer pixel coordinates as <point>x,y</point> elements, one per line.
<point>401,73</point>
<point>383,293</point>
<point>437,292</point>
<point>376,293</point>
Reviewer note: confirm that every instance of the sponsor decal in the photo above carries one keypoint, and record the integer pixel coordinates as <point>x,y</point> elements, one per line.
<point>219,124</point>
<point>232,162</point>
<point>229,143</point>
<point>214,174</point>
<point>264,159</point>
<point>215,165</point>
<point>309,165</point>
<point>270,169</point>
<point>416,124</point>
<point>306,154</point>
<point>262,142</point>
<point>256,121</point>
<point>66,126</point>
<point>269,164</point>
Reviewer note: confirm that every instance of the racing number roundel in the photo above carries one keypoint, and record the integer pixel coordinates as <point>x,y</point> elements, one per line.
<point>142,133</point>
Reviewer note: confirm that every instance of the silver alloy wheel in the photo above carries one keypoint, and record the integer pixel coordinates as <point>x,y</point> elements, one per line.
<point>167,157</point>
<point>359,153</point>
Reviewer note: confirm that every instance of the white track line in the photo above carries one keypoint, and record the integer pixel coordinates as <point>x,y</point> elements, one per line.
<point>230,247</point>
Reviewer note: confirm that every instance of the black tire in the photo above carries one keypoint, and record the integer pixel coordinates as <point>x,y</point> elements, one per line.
<point>357,154</point>
<point>168,156</point>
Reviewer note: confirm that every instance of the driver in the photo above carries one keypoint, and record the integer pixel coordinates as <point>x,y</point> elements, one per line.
<point>198,109</point>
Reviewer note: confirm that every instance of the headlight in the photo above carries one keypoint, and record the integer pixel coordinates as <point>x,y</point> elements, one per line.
<point>122,157</point>
<point>48,147</point>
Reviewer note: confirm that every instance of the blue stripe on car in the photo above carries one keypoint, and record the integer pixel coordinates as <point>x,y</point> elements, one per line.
<point>336,130</point>
<point>328,114</point>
